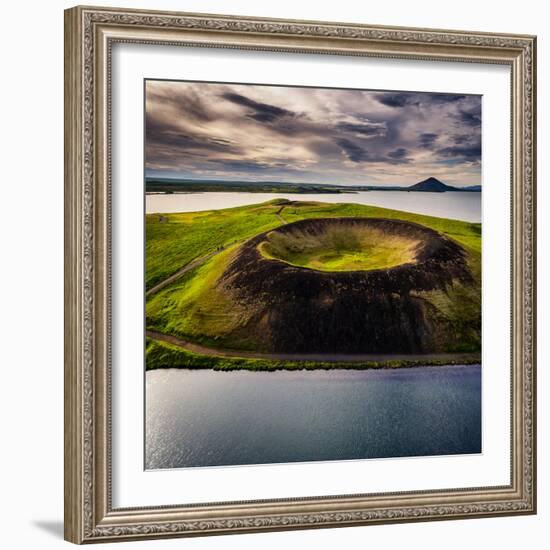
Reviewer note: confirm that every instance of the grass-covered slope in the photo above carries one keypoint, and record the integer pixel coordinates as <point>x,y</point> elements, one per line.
<point>200,307</point>
<point>174,240</point>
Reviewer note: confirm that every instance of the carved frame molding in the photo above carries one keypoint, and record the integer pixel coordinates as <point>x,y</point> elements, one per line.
<point>89,36</point>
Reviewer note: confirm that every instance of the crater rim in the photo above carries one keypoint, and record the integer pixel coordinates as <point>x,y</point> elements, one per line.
<point>402,243</point>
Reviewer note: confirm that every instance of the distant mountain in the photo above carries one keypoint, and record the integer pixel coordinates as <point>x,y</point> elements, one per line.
<point>431,185</point>
<point>472,188</point>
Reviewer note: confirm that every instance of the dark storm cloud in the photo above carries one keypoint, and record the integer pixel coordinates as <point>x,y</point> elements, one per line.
<point>164,139</point>
<point>466,118</point>
<point>402,99</point>
<point>427,139</point>
<point>322,147</point>
<point>262,112</point>
<point>358,154</point>
<point>469,116</point>
<point>398,154</point>
<point>353,151</point>
<point>274,118</point>
<point>461,139</point>
<point>397,100</point>
<point>364,128</point>
<point>311,135</point>
<point>171,136</point>
<point>443,98</point>
<point>287,122</point>
<point>468,153</point>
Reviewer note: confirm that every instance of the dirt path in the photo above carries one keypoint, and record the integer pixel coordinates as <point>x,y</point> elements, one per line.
<point>279,215</point>
<point>319,357</point>
<point>198,261</point>
<point>183,270</point>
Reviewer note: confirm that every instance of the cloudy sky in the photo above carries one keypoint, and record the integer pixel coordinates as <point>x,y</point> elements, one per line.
<point>273,133</point>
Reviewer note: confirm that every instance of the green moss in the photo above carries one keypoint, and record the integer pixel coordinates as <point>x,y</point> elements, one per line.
<point>340,249</point>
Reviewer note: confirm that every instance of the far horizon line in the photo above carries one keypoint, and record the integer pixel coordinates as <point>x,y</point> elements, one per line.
<point>282,181</point>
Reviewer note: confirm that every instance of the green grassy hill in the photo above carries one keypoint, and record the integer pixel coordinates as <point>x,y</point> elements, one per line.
<point>197,308</point>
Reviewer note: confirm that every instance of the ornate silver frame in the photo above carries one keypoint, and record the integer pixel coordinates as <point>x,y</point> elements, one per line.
<point>89,36</point>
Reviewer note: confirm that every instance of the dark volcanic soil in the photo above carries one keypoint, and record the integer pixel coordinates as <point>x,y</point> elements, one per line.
<point>303,310</point>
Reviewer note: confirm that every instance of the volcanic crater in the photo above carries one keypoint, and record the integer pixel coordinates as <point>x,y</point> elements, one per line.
<point>346,285</point>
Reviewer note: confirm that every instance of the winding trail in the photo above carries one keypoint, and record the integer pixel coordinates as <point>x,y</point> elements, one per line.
<point>198,261</point>
<point>311,357</point>
<point>279,215</point>
<point>184,270</point>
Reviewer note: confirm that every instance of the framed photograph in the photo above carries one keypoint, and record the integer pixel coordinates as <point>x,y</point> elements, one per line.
<point>300,274</point>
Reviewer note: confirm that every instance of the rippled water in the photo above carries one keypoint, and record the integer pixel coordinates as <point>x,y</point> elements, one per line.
<point>455,205</point>
<point>212,418</point>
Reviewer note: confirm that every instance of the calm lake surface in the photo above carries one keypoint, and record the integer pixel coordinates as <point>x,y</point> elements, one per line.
<point>211,418</point>
<point>455,205</point>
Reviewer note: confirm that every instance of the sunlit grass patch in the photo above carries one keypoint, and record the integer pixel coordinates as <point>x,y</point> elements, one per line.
<point>357,248</point>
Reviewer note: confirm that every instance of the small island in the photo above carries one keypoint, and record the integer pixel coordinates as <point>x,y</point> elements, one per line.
<point>305,285</point>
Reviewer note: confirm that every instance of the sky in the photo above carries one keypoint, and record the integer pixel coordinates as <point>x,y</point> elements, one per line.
<point>310,135</point>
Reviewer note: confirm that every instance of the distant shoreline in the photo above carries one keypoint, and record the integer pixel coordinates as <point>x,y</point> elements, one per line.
<point>172,352</point>
<point>259,191</point>
<point>174,186</point>
<point>352,191</point>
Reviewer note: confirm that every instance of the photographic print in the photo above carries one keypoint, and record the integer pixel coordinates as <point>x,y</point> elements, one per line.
<point>313,274</point>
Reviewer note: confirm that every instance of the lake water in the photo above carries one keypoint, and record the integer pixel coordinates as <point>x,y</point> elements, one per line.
<point>212,418</point>
<point>455,205</point>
